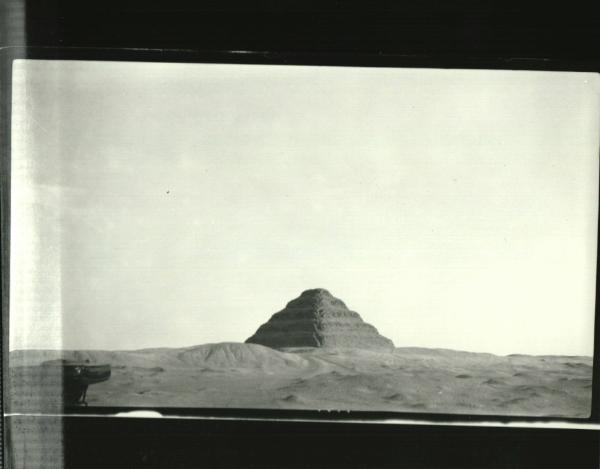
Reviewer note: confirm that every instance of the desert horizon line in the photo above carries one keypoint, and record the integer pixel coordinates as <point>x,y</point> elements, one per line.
<point>310,303</point>
<point>405,347</point>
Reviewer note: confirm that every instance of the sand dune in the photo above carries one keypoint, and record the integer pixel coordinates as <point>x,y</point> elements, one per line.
<point>402,380</point>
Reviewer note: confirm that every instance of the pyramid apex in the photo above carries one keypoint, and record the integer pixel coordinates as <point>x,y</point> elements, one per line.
<point>316,291</point>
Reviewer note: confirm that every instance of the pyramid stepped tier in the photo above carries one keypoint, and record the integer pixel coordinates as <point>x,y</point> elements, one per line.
<point>318,319</point>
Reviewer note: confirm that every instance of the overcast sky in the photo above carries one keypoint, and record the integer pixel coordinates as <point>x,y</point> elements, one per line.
<point>178,204</point>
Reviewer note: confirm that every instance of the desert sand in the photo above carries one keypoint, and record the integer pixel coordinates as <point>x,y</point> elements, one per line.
<point>245,375</point>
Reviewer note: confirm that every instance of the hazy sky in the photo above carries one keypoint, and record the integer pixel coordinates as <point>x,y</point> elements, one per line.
<point>178,204</point>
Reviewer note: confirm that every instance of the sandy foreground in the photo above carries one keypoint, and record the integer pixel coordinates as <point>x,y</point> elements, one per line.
<point>404,380</point>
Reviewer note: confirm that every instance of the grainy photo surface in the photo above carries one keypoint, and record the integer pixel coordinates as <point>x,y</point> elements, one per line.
<point>302,237</point>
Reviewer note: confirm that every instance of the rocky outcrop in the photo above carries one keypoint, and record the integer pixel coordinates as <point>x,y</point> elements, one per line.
<point>318,319</point>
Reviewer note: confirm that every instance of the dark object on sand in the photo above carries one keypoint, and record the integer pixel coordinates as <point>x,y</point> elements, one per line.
<point>76,377</point>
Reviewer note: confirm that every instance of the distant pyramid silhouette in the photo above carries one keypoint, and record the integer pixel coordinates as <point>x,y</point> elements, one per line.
<point>317,319</point>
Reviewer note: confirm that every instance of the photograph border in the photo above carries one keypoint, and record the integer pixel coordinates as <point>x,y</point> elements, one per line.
<point>382,60</point>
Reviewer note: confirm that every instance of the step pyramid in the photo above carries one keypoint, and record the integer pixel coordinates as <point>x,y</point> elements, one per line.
<point>317,319</point>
